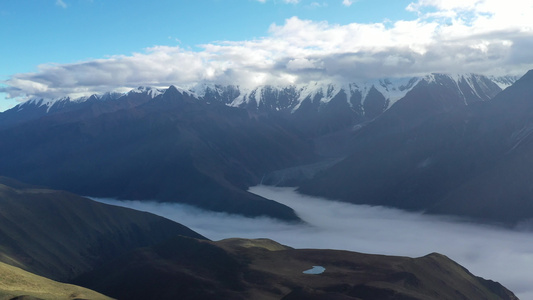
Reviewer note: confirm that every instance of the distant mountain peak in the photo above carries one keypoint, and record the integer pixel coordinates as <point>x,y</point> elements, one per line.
<point>150,91</point>
<point>528,77</point>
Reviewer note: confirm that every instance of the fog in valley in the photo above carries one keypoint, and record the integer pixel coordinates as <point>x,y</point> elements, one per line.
<point>491,252</point>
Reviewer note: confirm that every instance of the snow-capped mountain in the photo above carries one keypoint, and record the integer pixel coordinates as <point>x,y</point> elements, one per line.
<point>472,87</point>
<point>290,98</point>
<point>95,104</point>
<point>149,91</point>
<point>53,105</point>
<point>315,108</point>
<point>173,147</point>
<point>431,152</point>
<point>207,144</point>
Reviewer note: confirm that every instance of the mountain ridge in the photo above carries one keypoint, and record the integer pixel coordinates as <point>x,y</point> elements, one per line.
<point>59,235</point>
<point>392,89</point>
<point>264,269</point>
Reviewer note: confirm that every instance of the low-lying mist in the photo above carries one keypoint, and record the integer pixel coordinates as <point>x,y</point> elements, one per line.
<point>495,253</point>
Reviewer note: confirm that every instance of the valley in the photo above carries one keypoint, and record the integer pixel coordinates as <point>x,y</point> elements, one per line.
<point>76,240</point>
<point>266,150</point>
<point>491,252</point>
<point>398,166</point>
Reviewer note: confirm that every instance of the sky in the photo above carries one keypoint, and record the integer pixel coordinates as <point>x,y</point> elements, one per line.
<point>495,253</point>
<point>57,48</point>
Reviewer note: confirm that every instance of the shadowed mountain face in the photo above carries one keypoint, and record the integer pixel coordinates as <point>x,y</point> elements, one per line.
<point>172,148</point>
<point>500,151</point>
<point>263,269</point>
<point>60,235</point>
<point>454,159</point>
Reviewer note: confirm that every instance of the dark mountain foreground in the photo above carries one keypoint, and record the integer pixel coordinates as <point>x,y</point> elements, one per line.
<point>60,235</point>
<point>187,268</point>
<point>17,284</point>
<point>128,254</point>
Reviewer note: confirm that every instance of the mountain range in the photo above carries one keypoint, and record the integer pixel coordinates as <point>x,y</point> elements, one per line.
<point>206,145</point>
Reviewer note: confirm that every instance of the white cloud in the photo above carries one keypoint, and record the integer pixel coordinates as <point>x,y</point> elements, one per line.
<point>317,5</point>
<point>490,252</point>
<point>302,64</point>
<point>480,36</point>
<point>347,2</point>
<point>61,3</point>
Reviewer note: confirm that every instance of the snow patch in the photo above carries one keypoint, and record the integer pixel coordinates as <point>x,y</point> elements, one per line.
<point>504,81</point>
<point>150,91</point>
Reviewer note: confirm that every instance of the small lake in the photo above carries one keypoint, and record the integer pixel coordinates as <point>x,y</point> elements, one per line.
<point>315,270</point>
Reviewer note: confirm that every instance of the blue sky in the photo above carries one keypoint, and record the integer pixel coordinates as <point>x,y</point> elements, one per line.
<point>55,48</point>
<point>44,31</point>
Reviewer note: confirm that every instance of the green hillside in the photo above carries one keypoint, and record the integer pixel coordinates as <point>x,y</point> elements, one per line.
<point>16,283</point>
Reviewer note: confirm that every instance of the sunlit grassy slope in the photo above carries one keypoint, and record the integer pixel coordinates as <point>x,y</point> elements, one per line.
<point>15,282</point>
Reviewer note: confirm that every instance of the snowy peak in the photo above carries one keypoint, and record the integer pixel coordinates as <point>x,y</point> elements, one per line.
<point>291,97</point>
<point>47,104</point>
<point>58,103</point>
<point>504,81</point>
<point>174,92</point>
<point>392,89</point>
<point>470,87</point>
<point>359,96</point>
<point>150,91</point>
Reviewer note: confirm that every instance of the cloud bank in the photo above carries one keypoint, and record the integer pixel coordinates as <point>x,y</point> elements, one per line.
<point>453,36</point>
<point>490,252</point>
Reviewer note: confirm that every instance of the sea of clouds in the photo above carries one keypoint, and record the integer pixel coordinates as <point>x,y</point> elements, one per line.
<point>492,252</point>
